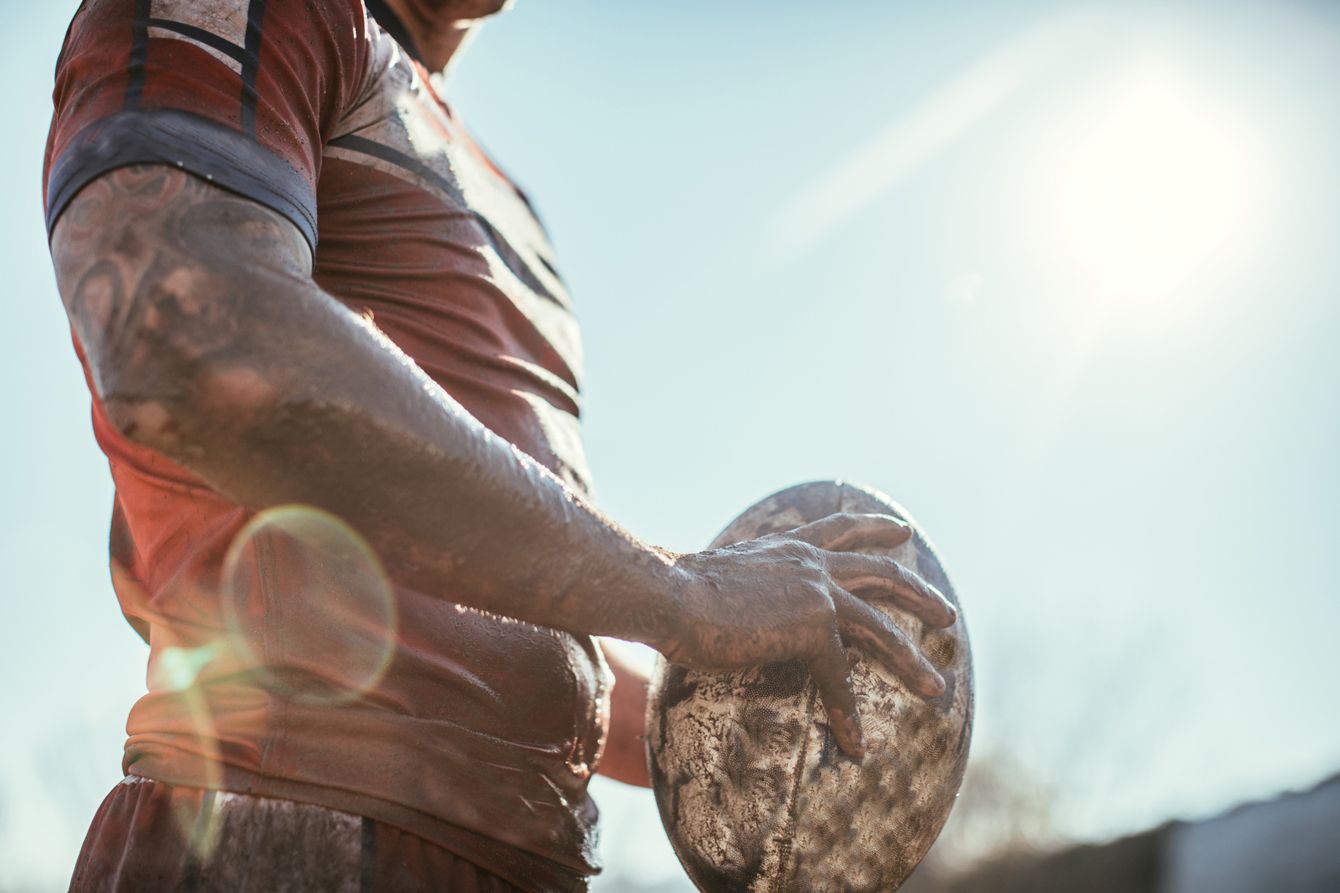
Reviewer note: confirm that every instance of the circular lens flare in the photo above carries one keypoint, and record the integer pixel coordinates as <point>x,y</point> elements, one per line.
<point>308,603</point>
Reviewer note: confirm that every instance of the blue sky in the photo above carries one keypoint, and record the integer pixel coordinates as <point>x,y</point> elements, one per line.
<point>1060,278</point>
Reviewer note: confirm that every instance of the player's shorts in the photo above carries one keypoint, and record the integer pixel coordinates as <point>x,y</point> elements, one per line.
<point>149,836</point>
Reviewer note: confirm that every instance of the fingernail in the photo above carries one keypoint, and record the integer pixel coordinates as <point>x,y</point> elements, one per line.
<point>933,685</point>
<point>950,612</point>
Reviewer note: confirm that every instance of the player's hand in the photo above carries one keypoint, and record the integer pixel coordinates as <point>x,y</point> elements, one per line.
<point>794,596</point>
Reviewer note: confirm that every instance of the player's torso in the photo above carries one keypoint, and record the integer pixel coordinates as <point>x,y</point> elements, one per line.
<point>417,228</point>
<point>472,715</point>
<point>421,232</point>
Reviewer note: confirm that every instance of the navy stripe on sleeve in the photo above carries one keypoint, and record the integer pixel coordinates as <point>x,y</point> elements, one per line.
<point>139,51</point>
<point>251,65</point>
<point>510,257</point>
<point>225,157</point>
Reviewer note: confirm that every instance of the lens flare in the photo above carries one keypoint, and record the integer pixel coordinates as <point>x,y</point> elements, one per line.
<point>1151,191</point>
<point>308,603</point>
<point>180,670</point>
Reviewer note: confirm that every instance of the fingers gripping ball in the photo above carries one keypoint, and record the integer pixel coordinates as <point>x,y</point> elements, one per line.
<point>753,791</point>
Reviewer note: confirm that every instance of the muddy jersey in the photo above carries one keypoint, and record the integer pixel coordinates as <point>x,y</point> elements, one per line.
<point>475,732</point>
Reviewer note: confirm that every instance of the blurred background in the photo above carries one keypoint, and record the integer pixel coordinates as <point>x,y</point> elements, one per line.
<point>1059,277</point>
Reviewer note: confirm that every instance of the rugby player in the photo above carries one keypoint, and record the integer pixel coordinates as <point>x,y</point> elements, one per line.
<point>293,278</point>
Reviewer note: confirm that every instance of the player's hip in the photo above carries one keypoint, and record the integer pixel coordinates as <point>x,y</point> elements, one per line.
<point>153,836</point>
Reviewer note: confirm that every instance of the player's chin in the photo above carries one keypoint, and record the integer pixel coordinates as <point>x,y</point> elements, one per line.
<point>473,9</point>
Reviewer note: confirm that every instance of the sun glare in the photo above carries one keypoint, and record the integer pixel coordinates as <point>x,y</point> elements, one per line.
<point>1151,190</point>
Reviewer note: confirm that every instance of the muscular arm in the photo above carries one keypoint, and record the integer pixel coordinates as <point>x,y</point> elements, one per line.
<point>208,341</point>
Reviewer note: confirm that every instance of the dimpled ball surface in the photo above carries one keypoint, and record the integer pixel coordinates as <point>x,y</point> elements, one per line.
<point>753,791</point>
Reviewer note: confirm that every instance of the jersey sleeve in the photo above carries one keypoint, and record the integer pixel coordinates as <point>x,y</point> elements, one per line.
<point>241,93</point>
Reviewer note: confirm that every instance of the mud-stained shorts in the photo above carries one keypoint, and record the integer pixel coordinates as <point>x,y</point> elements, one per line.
<point>149,836</point>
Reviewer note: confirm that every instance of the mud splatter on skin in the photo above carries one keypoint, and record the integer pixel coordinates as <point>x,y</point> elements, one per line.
<point>761,800</point>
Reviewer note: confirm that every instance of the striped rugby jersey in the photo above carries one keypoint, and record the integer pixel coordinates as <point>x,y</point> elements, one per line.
<point>481,733</point>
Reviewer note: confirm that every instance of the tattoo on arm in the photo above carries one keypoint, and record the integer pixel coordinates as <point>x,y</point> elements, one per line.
<point>138,256</point>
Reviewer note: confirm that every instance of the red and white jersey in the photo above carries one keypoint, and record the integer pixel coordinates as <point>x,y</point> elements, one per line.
<point>481,734</point>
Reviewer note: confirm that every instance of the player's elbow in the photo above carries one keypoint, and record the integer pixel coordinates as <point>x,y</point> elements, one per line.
<point>176,402</point>
<point>179,379</point>
<point>143,420</point>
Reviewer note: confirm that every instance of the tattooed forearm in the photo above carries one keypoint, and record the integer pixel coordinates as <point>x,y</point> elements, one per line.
<point>208,341</point>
